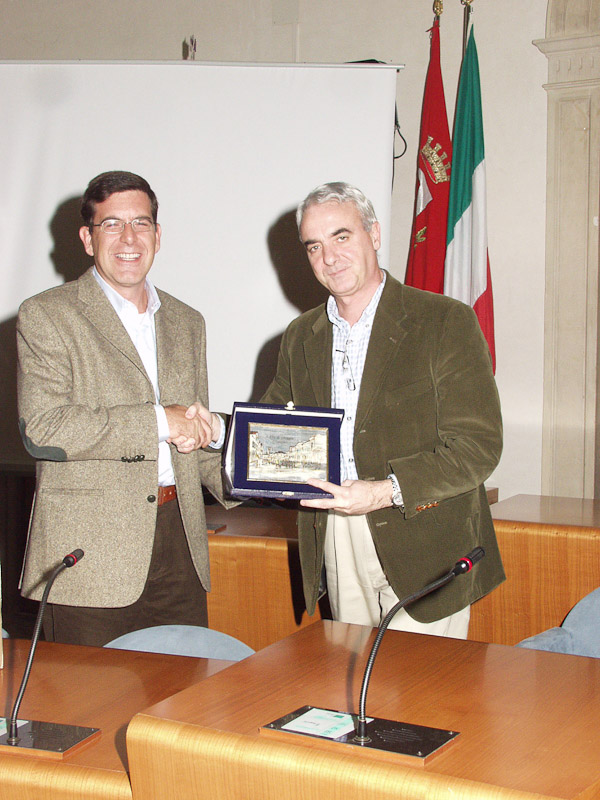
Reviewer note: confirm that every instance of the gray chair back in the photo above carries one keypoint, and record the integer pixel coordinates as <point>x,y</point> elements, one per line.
<point>579,634</point>
<point>184,640</point>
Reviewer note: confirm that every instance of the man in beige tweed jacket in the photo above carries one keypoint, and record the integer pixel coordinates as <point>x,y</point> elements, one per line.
<point>113,393</point>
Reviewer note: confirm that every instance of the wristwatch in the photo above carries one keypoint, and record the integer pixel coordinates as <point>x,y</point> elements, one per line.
<point>397,499</point>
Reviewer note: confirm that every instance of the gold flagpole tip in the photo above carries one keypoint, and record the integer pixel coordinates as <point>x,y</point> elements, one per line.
<point>438,7</point>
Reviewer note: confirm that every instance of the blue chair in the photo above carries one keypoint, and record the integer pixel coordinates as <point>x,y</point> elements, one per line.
<point>183,640</point>
<point>579,634</point>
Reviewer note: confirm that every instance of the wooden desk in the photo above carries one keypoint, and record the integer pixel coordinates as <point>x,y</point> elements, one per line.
<point>528,720</point>
<point>89,686</point>
<point>544,510</point>
<point>550,547</point>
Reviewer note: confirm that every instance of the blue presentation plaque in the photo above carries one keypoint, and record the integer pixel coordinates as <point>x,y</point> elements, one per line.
<point>272,451</point>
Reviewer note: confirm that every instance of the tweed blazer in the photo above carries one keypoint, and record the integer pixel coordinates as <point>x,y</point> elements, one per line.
<point>429,412</point>
<point>86,414</point>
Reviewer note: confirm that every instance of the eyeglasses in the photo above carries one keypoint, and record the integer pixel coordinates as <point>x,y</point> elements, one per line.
<point>346,366</point>
<point>139,225</point>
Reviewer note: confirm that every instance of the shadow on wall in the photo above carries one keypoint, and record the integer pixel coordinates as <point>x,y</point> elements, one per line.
<point>17,482</point>
<point>299,286</point>
<point>68,256</point>
<point>70,261</point>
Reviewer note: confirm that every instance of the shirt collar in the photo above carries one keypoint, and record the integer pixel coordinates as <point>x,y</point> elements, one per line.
<point>368,313</point>
<point>120,304</point>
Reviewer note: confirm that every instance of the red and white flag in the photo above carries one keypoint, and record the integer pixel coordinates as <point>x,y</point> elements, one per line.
<point>425,268</point>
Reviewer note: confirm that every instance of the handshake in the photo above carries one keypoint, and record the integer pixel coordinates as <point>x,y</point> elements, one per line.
<point>193,427</point>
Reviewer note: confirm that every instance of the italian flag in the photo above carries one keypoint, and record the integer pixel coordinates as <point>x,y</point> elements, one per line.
<point>467,269</point>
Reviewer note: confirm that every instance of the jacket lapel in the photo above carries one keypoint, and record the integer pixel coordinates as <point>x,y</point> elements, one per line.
<point>317,355</point>
<point>97,308</point>
<point>166,343</point>
<point>389,330</point>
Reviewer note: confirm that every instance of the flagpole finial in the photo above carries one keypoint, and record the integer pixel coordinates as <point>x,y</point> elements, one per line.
<point>466,14</point>
<point>438,7</point>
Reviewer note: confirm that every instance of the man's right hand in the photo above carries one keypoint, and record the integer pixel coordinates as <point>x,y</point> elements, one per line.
<point>210,418</point>
<point>187,432</point>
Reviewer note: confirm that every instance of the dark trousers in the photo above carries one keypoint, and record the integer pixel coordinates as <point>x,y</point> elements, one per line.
<point>172,594</point>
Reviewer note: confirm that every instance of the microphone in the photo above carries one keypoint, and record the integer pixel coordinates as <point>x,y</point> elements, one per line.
<point>386,735</point>
<point>44,741</point>
<point>467,563</point>
<point>73,558</point>
<point>462,566</point>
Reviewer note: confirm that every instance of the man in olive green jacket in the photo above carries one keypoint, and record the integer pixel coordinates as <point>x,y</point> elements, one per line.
<point>423,429</point>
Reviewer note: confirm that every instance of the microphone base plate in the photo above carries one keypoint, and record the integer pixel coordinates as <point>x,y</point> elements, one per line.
<point>403,738</point>
<point>46,739</point>
<point>387,739</point>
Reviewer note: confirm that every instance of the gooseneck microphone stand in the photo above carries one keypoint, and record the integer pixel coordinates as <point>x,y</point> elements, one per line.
<point>464,565</point>
<point>68,561</point>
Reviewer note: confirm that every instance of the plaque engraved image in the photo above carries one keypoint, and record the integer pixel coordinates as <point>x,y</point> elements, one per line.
<point>287,453</point>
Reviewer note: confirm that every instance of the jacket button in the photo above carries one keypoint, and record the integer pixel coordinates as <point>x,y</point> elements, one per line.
<point>151,498</point>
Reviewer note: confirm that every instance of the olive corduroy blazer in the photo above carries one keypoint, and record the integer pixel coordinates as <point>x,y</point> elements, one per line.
<point>428,411</point>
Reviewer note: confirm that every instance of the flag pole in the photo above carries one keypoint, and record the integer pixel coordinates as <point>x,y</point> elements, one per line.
<point>466,15</point>
<point>438,8</point>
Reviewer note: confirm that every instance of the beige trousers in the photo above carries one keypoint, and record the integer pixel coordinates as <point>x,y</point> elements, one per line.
<point>358,588</point>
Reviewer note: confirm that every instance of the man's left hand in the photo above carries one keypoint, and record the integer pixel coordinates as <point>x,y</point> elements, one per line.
<point>352,497</point>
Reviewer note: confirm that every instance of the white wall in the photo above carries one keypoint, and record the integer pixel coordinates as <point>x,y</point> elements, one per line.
<point>228,166</point>
<point>514,108</point>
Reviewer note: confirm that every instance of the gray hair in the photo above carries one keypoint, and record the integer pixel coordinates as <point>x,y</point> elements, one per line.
<point>339,192</point>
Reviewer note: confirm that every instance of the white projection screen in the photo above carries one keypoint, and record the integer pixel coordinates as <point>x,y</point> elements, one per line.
<point>229,149</point>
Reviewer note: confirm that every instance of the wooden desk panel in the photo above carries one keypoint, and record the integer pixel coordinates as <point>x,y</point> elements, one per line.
<point>528,720</point>
<point>550,547</point>
<point>89,686</point>
<point>255,575</point>
<point>234,766</point>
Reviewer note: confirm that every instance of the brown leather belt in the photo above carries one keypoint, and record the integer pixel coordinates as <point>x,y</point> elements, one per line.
<point>166,493</point>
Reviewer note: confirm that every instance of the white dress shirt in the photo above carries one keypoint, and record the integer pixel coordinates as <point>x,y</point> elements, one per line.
<point>142,332</point>
<point>350,345</point>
